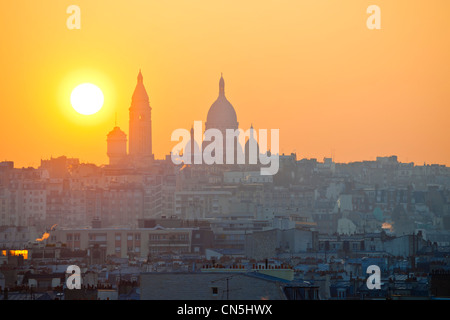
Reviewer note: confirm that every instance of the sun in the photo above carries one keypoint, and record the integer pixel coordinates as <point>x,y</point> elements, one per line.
<point>87,98</point>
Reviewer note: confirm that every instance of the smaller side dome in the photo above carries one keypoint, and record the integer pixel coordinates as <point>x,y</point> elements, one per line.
<point>116,134</point>
<point>249,144</point>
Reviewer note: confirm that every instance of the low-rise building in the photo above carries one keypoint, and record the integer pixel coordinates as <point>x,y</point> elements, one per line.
<point>128,242</point>
<point>210,286</point>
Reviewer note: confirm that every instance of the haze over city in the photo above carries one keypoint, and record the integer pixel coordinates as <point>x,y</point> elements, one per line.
<point>118,180</point>
<point>311,69</point>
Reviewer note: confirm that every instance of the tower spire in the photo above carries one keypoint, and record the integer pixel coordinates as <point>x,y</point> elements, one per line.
<point>139,77</point>
<point>221,85</point>
<point>140,123</point>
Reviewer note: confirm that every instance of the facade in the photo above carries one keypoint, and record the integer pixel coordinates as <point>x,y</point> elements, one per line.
<point>230,232</point>
<point>262,245</point>
<point>126,242</point>
<point>17,238</point>
<point>201,204</point>
<point>208,286</point>
<point>122,205</point>
<point>245,177</point>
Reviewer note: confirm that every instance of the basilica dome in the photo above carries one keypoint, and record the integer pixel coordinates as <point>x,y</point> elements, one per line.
<point>221,114</point>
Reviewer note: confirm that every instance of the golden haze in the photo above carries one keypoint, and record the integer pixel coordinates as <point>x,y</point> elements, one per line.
<point>309,68</point>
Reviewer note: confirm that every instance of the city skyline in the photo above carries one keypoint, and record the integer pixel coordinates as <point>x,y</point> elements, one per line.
<point>333,87</point>
<point>225,150</point>
<point>135,148</point>
<point>140,98</point>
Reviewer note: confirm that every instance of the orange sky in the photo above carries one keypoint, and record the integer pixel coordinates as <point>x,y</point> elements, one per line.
<point>310,68</point>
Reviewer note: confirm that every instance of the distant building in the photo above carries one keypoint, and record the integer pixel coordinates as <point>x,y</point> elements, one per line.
<point>140,118</point>
<point>133,242</point>
<point>116,147</point>
<point>140,153</point>
<point>246,177</point>
<point>222,116</point>
<point>261,245</point>
<point>209,286</point>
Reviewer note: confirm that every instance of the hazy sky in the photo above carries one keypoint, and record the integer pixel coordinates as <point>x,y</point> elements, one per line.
<point>310,68</point>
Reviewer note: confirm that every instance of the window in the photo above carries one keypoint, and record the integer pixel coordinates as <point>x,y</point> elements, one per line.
<point>341,293</point>
<point>215,291</point>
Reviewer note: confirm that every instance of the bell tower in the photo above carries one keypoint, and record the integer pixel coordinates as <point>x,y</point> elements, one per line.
<point>140,126</point>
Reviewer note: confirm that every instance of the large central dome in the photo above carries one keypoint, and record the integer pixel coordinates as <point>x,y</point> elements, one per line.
<point>221,115</point>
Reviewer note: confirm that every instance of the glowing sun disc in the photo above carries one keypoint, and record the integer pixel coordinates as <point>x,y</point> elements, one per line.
<point>87,98</point>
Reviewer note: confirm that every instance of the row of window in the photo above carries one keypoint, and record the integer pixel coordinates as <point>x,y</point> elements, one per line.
<point>33,208</point>
<point>129,249</point>
<point>35,200</point>
<point>168,236</point>
<point>137,237</point>
<point>5,236</point>
<point>157,250</point>
<point>355,246</point>
<point>75,237</point>
<point>98,237</point>
<point>31,192</point>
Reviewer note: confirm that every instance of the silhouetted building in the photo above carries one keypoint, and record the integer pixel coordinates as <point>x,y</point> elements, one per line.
<point>116,146</point>
<point>140,117</point>
<point>222,116</point>
<point>440,283</point>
